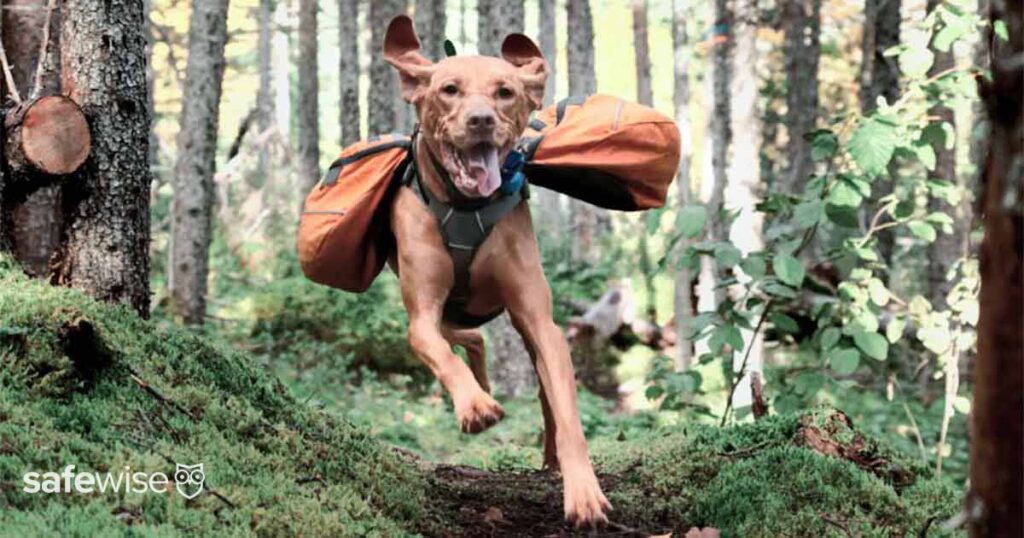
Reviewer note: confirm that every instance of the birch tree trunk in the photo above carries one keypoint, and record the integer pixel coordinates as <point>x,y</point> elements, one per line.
<point>35,217</point>
<point>742,192</point>
<point>880,77</point>
<point>308,100</point>
<point>801,20</point>
<point>997,413</point>
<point>348,70</point>
<point>383,92</point>
<point>582,82</point>
<point>104,250</point>
<point>191,214</point>
<point>683,297</point>
<point>716,158</point>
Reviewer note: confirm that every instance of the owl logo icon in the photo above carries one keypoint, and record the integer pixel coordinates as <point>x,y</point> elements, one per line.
<point>189,480</point>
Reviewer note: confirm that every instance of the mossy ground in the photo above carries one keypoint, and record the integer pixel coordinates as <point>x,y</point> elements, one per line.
<point>92,385</point>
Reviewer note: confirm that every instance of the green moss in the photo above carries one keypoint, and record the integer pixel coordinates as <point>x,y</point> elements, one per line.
<point>73,390</point>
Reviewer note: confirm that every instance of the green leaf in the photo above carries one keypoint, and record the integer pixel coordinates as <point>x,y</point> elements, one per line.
<point>962,404</point>
<point>878,293</point>
<point>823,144</point>
<point>784,322</point>
<point>692,219</point>
<point>1000,29</point>
<point>844,361</point>
<point>842,215</point>
<point>894,331</point>
<point>926,155</point>
<point>829,338</point>
<point>778,289</point>
<point>727,255</point>
<point>789,270</point>
<point>915,61</point>
<point>808,214</point>
<point>654,220</point>
<point>654,392</point>
<point>872,145</point>
<point>725,334</point>
<point>845,194</point>
<point>872,344</point>
<point>754,266</point>
<point>922,230</point>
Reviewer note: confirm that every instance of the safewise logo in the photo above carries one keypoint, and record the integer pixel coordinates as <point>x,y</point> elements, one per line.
<point>187,479</point>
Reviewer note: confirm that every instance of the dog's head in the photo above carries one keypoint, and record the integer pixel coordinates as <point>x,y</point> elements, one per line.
<point>471,109</point>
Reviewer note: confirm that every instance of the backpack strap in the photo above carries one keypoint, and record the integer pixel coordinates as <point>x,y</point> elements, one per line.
<point>334,171</point>
<point>463,232</point>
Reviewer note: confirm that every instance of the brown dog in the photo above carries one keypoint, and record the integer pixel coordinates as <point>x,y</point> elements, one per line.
<point>471,111</point>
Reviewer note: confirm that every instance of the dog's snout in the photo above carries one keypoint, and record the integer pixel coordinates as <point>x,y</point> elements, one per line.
<point>481,119</point>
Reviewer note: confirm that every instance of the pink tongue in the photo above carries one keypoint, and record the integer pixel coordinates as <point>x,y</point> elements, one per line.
<point>482,165</point>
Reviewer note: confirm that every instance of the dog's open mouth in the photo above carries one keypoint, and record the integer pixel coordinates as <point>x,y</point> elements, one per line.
<point>476,170</point>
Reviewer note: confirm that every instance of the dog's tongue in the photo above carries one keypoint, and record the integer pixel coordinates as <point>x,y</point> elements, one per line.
<point>482,166</point>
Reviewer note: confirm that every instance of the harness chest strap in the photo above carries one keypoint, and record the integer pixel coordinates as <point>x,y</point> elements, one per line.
<point>463,230</point>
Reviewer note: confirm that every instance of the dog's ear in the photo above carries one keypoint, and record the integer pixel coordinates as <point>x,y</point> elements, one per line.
<point>521,52</point>
<point>402,50</point>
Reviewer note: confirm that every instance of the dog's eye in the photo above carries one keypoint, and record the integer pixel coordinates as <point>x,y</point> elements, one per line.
<point>450,89</point>
<point>506,93</point>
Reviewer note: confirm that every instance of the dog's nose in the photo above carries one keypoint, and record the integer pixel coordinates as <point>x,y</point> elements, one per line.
<point>481,119</point>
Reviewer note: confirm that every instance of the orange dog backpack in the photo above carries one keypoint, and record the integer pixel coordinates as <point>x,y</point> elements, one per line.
<point>344,237</point>
<point>603,150</point>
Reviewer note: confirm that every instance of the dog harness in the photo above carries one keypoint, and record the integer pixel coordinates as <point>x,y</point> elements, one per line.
<point>465,223</point>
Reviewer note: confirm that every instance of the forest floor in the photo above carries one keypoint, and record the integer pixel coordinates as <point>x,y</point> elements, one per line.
<point>91,385</point>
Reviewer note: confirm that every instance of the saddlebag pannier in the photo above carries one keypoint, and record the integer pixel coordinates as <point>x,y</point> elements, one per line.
<point>603,150</point>
<point>344,237</point>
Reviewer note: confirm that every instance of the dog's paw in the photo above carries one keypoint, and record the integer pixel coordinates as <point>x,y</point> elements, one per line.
<point>585,503</point>
<point>478,413</point>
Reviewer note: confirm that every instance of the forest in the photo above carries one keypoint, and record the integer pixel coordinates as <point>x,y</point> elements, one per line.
<point>819,333</point>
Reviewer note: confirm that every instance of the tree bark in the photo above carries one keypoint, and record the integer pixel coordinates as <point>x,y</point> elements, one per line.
<point>716,159</point>
<point>510,368</point>
<point>348,71</point>
<point>191,214</point>
<point>801,20</point>
<point>308,101</point>
<point>997,415</point>
<point>105,246</point>
<point>431,20</point>
<point>281,60</point>
<point>742,191</point>
<point>644,96</point>
<point>551,221</point>
<point>34,214</point>
<point>683,297</point>
<point>495,20</point>
<point>265,95</point>
<point>947,248</point>
<point>383,94</point>
<point>582,82</point>
<point>880,77</point>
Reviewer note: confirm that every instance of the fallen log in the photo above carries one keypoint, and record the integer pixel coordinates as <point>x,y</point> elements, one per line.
<point>49,135</point>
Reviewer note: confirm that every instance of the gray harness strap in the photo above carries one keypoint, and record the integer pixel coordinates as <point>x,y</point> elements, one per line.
<point>464,230</point>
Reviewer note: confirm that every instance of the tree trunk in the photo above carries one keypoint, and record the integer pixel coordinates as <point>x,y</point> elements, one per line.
<point>348,70</point>
<point>997,414</point>
<point>105,246</point>
<point>801,20</point>
<point>192,209</point>
<point>265,95</point>
<point>880,77</point>
<point>644,96</point>
<point>308,102</point>
<point>34,216</point>
<point>947,248</point>
<point>582,82</point>
<point>549,203</point>
<point>383,94</point>
<point>742,191</point>
<point>683,298</point>
<point>716,159</point>
<point>510,368</point>
<point>495,20</point>
<point>431,20</point>
<point>281,59</point>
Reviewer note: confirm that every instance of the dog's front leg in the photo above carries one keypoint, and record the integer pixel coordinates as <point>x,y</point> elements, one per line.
<point>584,503</point>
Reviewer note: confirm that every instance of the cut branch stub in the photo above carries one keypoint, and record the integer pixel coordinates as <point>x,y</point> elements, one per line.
<point>49,134</point>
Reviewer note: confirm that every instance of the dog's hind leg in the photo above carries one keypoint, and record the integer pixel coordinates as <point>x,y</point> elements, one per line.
<point>473,342</point>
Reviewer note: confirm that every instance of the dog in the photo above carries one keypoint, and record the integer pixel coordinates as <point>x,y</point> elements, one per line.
<point>471,112</point>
